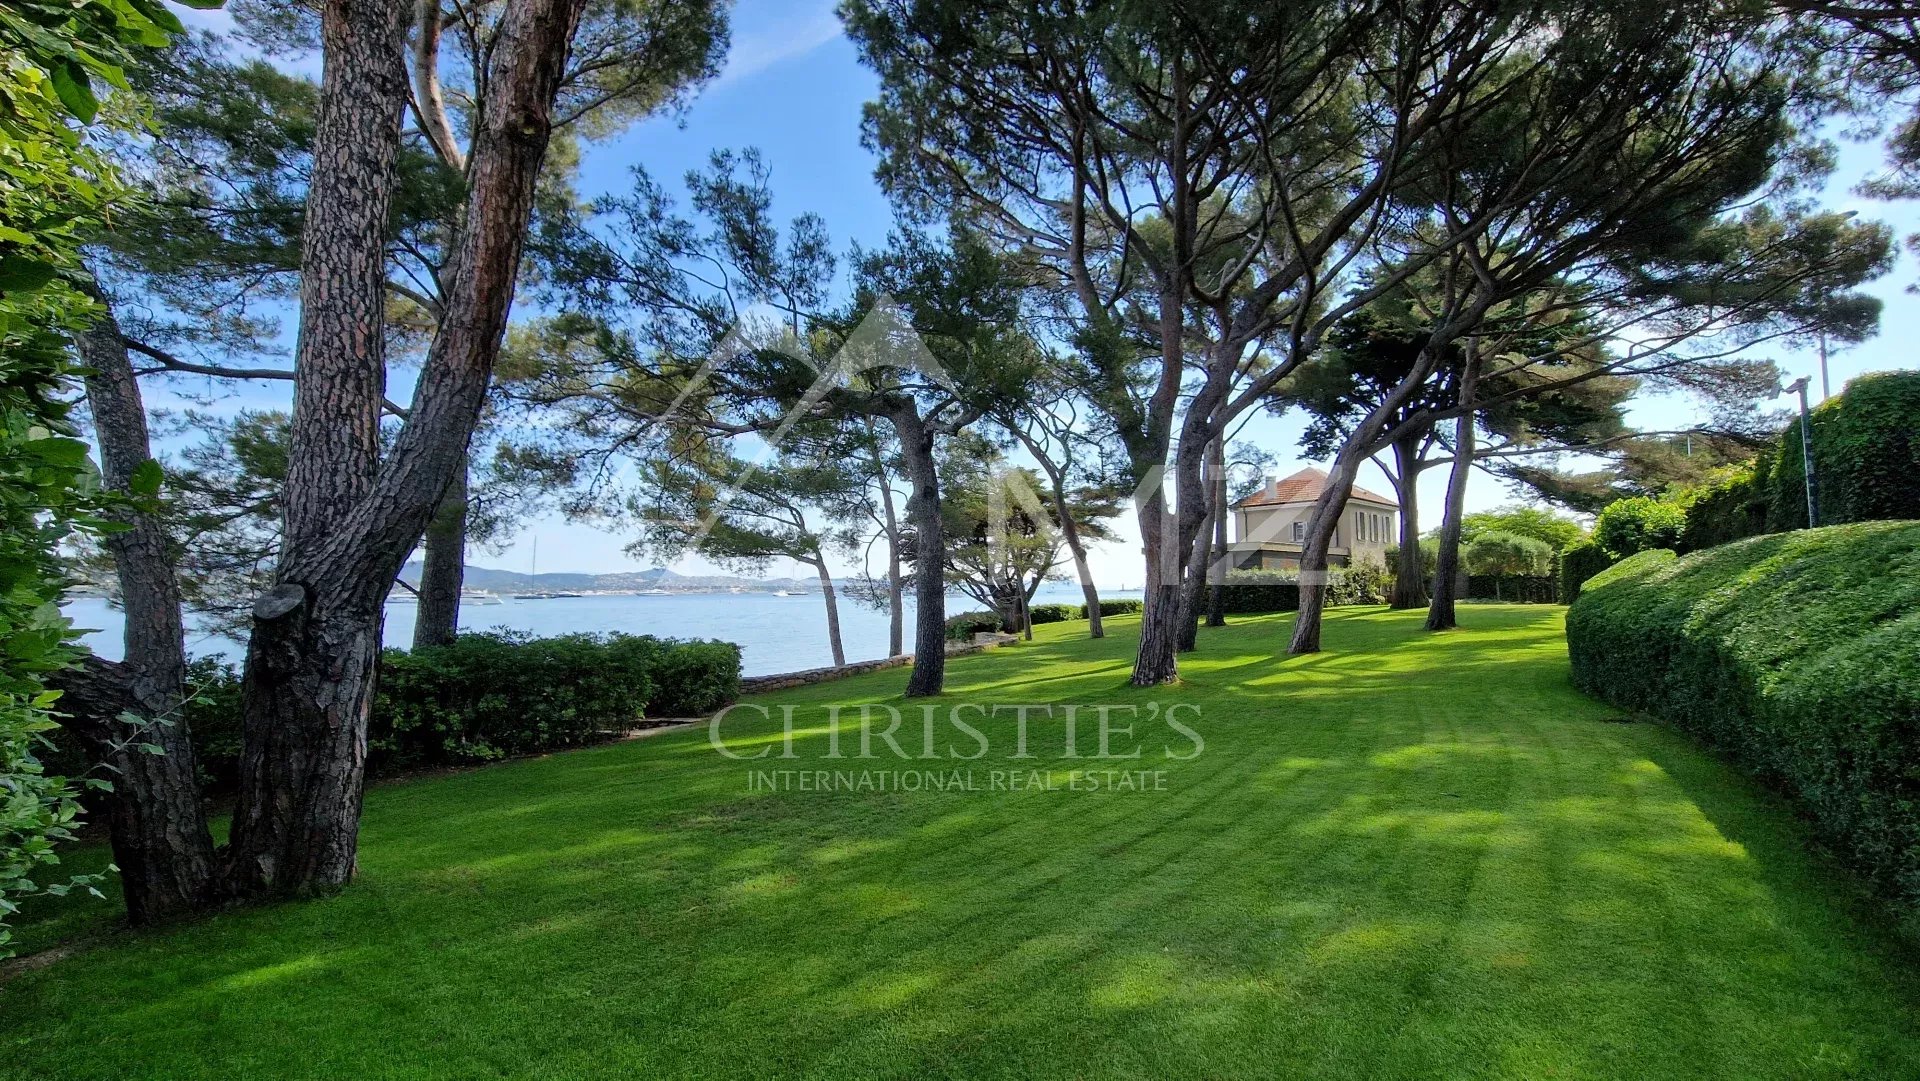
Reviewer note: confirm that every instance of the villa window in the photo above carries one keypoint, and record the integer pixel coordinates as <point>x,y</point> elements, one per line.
<point>1299,532</point>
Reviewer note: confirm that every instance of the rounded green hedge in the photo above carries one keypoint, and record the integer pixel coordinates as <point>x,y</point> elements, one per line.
<point>1797,655</point>
<point>1578,564</point>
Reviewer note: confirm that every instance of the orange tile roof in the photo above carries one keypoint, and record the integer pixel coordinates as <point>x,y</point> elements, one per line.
<point>1303,487</point>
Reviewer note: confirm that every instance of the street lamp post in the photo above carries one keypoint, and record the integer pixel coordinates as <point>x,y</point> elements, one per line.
<point>1806,454</point>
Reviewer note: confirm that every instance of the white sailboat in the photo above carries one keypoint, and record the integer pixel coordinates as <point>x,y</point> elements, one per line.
<point>533,578</point>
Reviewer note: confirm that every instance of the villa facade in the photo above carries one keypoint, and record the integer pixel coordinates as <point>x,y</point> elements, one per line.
<point>1270,526</point>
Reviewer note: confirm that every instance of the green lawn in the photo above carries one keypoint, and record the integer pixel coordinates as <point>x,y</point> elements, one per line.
<point>1411,856</point>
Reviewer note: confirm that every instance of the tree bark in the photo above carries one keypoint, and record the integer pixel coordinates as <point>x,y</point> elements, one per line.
<point>155,820</point>
<point>1217,566</point>
<point>1410,575</point>
<point>1440,614</point>
<point>929,578</point>
<point>351,519</point>
<point>1156,661</point>
<point>833,609</point>
<point>443,568</point>
<point>896,639</point>
<point>1171,540</point>
<point>1313,556</point>
<point>1069,530</point>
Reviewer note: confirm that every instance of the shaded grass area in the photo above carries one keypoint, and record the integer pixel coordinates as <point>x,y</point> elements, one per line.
<point>1411,856</point>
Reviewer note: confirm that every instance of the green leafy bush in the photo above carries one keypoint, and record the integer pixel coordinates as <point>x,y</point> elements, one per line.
<point>1253,592</point>
<point>1639,524</point>
<point>962,627</point>
<point>487,696</point>
<point>1365,581</point>
<point>1866,456</point>
<point>1499,554</point>
<point>57,189</point>
<point>1055,613</point>
<point>1798,655</point>
<point>693,678</point>
<point>1724,510</point>
<point>1127,607</point>
<point>1514,588</point>
<point>1578,564</point>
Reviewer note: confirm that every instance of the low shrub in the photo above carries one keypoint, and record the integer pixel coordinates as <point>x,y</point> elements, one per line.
<point>1056,613</point>
<point>1578,564</point>
<point>1365,581</point>
<point>1117,608</point>
<point>486,696</point>
<point>1514,588</point>
<point>962,627</point>
<point>693,677</point>
<point>1254,592</point>
<point>1796,654</point>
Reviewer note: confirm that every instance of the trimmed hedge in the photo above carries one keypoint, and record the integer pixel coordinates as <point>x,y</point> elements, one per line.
<point>1725,510</point>
<point>1117,608</point>
<point>1578,564</point>
<point>962,627</point>
<point>1798,655</point>
<point>1866,456</point>
<point>1514,588</point>
<point>1055,613</point>
<point>1254,598</point>
<point>487,696</point>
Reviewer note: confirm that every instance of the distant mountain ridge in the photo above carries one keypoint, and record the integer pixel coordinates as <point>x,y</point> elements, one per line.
<point>501,581</point>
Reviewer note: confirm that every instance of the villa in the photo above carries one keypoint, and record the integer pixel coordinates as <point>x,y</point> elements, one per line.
<point>1270,526</point>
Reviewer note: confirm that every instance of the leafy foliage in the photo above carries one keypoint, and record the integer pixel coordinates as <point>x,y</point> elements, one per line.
<point>1495,552</point>
<point>1123,607</point>
<point>1055,613</point>
<point>1538,523</point>
<point>962,626</point>
<point>1578,564</point>
<point>488,696</point>
<point>1796,654</point>
<point>1639,524</point>
<point>54,191</point>
<point>1730,506</point>
<point>1866,456</point>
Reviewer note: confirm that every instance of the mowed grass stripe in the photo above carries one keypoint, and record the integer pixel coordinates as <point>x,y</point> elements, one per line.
<point>1411,856</point>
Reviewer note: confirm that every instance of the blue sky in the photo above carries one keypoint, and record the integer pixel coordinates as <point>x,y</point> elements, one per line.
<point>793,87</point>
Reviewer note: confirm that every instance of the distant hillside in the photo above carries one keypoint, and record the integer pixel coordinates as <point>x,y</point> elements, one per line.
<point>658,578</point>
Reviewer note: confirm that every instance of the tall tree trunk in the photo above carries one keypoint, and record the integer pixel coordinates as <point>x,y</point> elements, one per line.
<point>351,520</point>
<point>1175,544</point>
<point>443,568</point>
<point>1217,566</point>
<point>1446,577</point>
<point>310,657</point>
<point>1070,531</point>
<point>1156,659</point>
<point>1193,587</point>
<point>154,816</point>
<point>895,587</point>
<point>1410,574</point>
<point>929,578</point>
<point>833,609</point>
<point>1324,519</point>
